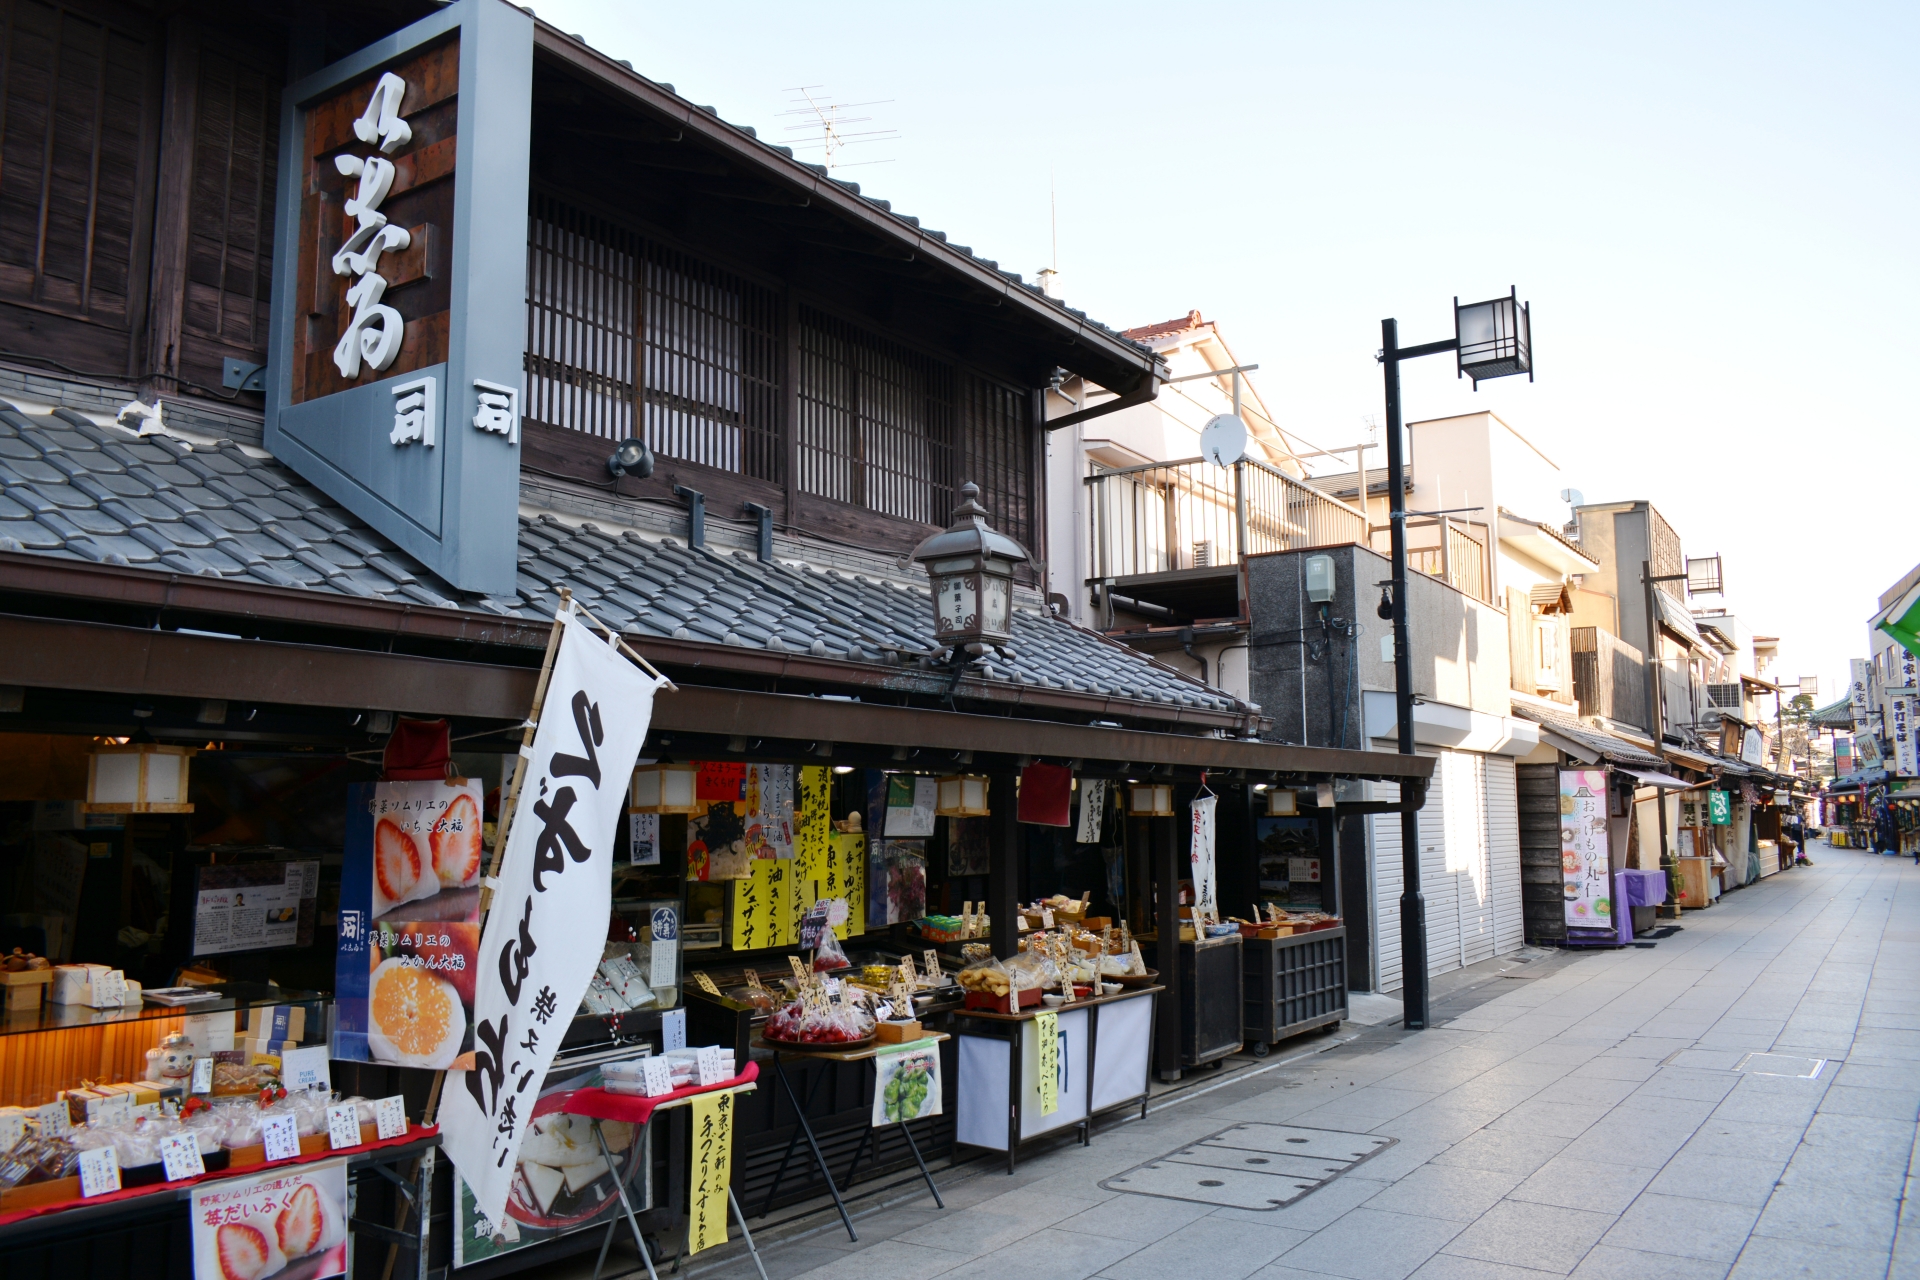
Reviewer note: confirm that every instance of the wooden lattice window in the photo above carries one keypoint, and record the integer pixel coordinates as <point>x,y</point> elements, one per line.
<point>72,112</point>
<point>605,303</point>
<point>997,454</point>
<point>230,226</point>
<point>876,422</point>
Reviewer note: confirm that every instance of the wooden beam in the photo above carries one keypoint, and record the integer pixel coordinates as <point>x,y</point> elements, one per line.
<point>167,305</point>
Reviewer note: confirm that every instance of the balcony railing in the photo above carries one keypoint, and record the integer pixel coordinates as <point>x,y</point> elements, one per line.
<point>1460,560</point>
<point>1191,514</point>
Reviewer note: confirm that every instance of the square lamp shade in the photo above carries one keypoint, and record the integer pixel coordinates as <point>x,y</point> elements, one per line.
<point>1282,803</point>
<point>138,778</point>
<point>1495,338</point>
<point>962,795</point>
<point>1150,800</point>
<point>664,788</point>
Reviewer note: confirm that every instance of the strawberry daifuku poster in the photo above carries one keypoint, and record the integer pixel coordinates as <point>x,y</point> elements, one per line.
<point>409,922</point>
<point>293,1221</point>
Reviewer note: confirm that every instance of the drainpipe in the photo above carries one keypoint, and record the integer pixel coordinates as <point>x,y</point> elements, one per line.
<point>1186,642</point>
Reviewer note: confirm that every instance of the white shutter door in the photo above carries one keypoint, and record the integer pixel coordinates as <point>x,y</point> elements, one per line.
<point>1438,883</point>
<point>1386,890</point>
<point>1503,847</point>
<point>1475,874</point>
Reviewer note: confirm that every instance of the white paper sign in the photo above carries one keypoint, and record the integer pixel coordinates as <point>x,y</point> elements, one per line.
<point>1093,803</point>
<point>390,1117</point>
<point>53,1118</point>
<point>180,1153</point>
<point>13,1127</point>
<point>99,1171</point>
<point>343,1126</point>
<point>673,1030</point>
<point>109,989</point>
<point>280,1135</point>
<point>203,1075</point>
<point>306,1068</point>
<point>643,839</point>
<point>1206,905</point>
<point>714,1065</point>
<point>656,1076</point>
<point>535,959</point>
<point>916,820</point>
<point>115,1108</point>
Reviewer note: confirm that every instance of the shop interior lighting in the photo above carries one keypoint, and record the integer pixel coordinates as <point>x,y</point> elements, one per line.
<point>962,795</point>
<point>664,788</point>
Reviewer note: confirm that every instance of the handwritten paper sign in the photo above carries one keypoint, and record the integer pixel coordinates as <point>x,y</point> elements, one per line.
<point>343,1126</point>
<point>280,1135</point>
<point>713,1065</point>
<point>656,1077</point>
<point>53,1118</point>
<point>180,1156</point>
<point>1046,1034</point>
<point>1093,803</point>
<point>390,1117</point>
<point>99,1171</point>
<point>712,1170</point>
<point>673,1030</point>
<point>203,1075</point>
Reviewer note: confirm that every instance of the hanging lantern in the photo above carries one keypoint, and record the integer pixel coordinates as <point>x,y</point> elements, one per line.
<point>139,777</point>
<point>664,788</point>
<point>1150,800</point>
<point>1282,803</point>
<point>962,795</point>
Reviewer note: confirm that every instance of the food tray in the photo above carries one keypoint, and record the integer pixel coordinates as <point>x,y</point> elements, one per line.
<point>797,1046</point>
<point>1002,1004</point>
<point>1147,979</point>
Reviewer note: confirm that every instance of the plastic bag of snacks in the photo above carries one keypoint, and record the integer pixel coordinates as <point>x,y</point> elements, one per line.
<point>1032,969</point>
<point>982,972</point>
<point>797,1023</point>
<point>830,954</point>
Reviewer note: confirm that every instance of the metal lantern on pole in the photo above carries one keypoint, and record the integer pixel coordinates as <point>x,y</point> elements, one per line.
<point>1492,339</point>
<point>971,568</point>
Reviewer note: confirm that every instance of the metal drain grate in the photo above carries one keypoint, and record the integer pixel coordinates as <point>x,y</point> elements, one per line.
<point>1250,1166</point>
<point>1780,1064</point>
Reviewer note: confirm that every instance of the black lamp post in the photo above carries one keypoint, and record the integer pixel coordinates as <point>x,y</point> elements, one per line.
<point>1491,339</point>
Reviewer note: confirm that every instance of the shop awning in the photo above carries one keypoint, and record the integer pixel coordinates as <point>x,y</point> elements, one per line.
<point>1587,743</point>
<point>1649,778</point>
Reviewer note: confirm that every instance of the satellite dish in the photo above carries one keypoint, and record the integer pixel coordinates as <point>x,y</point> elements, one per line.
<point>1223,441</point>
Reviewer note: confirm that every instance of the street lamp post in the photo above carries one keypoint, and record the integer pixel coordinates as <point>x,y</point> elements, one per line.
<point>1492,339</point>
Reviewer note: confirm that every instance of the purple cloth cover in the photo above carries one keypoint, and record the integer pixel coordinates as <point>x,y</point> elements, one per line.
<point>1645,888</point>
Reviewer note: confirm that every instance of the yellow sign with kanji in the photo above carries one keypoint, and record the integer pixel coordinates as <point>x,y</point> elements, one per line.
<point>712,1169</point>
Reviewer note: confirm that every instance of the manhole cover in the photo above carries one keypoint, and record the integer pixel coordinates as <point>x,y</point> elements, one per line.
<point>1250,1166</point>
<point>1780,1064</point>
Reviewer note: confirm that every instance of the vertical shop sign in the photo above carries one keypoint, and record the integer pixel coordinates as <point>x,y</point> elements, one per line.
<point>536,958</point>
<point>1858,685</point>
<point>1906,759</point>
<point>1720,808</point>
<point>1206,901</point>
<point>712,1171</point>
<point>1584,863</point>
<point>1093,803</point>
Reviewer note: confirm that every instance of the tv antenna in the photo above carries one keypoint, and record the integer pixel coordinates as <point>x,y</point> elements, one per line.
<point>826,121</point>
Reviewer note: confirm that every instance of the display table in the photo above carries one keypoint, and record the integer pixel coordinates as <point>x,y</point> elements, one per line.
<point>866,1053</point>
<point>1209,998</point>
<point>604,1104</point>
<point>1105,1048</point>
<point>1645,892</point>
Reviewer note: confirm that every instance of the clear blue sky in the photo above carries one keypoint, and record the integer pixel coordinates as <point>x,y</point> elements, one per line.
<point>1711,208</point>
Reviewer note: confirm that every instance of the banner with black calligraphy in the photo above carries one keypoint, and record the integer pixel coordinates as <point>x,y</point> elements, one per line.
<point>712,1171</point>
<point>545,933</point>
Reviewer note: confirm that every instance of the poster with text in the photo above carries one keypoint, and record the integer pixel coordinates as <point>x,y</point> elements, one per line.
<point>1586,872</point>
<point>292,1222</point>
<point>409,941</point>
<point>252,906</point>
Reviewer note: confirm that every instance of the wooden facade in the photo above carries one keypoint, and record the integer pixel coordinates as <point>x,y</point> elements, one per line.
<point>776,338</point>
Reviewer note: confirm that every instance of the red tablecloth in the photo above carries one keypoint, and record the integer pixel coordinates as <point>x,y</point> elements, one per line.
<point>602,1104</point>
<point>413,1134</point>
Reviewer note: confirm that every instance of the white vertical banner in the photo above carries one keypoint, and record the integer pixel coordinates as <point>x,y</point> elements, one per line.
<point>1584,859</point>
<point>1858,685</point>
<point>1900,728</point>
<point>1206,899</point>
<point>1093,803</point>
<point>546,930</point>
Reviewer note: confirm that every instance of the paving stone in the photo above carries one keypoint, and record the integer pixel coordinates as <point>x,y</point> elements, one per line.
<point>1367,1244</point>
<point>1573,1183</point>
<point>1708,1229</point>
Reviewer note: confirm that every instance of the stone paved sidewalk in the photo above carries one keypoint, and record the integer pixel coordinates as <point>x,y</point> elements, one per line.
<point>1587,1121</point>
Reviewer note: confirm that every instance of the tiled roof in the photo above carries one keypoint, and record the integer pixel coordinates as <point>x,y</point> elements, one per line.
<point>79,491</point>
<point>1610,746</point>
<point>1166,328</point>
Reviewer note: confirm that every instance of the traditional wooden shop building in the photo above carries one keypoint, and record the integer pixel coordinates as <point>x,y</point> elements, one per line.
<point>334,346</point>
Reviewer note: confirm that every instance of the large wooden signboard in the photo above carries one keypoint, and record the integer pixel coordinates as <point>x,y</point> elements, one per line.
<point>395,374</point>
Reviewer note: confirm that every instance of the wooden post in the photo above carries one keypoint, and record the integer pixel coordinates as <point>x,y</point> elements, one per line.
<point>509,798</point>
<point>167,302</point>
<point>1164,850</point>
<point>1003,865</point>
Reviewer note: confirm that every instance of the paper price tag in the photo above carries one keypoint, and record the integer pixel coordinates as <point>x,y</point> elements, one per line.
<point>390,1117</point>
<point>343,1126</point>
<point>1046,917</point>
<point>13,1127</point>
<point>753,979</point>
<point>115,1108</point>
<point>53,1119</point>
<point>180,1153</point>
<point>673,1030</point>
<point>932,960</point>
<point>656,1077</point>
<point>706,984</point>
<point>99,1171</point>
<point>714,1065</point>
<point>280,1135</point>
<point>203,1075</point>
<point>109,988</point>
